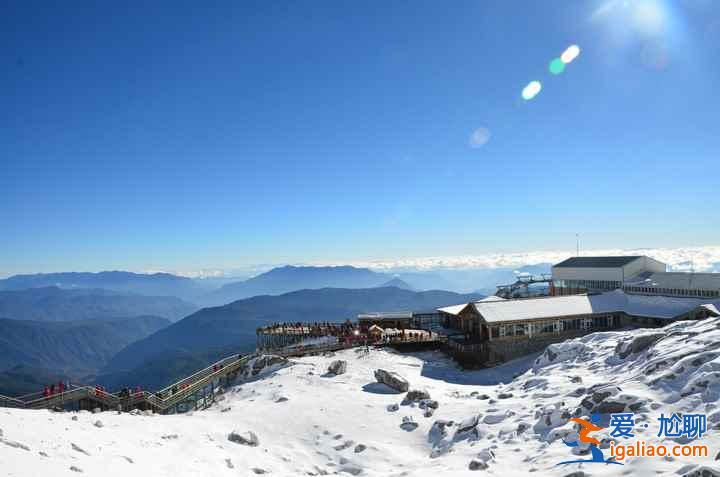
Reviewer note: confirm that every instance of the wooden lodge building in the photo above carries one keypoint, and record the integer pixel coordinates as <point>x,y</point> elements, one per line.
<point>494,330</point>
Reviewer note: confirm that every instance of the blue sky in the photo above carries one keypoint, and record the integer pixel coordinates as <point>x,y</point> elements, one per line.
<point>181,135</point>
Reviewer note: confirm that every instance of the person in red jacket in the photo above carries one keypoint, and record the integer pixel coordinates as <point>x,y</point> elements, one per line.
<point>61,387</point>
<point>46,392</point>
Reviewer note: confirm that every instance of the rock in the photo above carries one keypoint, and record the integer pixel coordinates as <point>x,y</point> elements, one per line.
<point>247,439</point>
<point>169,437</point>
<point>78,449</point>
<point>408,424</point>
<point>148,412</point>
<point>96,411</point>
<point>578,473</point>
<point>576,379</point>
<point>429,404</point>
<point>98,423</point>
<point>467,425</point>
<point>477,465</point>
<point>343,446</point>
<point>505,395</point>
<point>337,367</point>
<point>429,412</point>
<point>439,429</point>
<point>359,448</point>
<point>135,412</point>
<point>76,469</point>
<point>74,418</point>
<point>638,344</point>
<point>258,470</point>
<point>392,380</point>
<point>229,463</point>
<point>483,397</point>
<point>392,407</point>
<point>281,399</point>
<point>417,395</point>
<point>267,361</point>
<point>703,471</point>
<point>225,409</point>
<point>15,444</point>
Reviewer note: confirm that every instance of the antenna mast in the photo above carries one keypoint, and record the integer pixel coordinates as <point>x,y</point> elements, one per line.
<point>577,245</point>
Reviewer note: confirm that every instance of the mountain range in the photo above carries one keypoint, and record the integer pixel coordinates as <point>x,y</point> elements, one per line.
<point>73,349</point>
<point>56,304</point>
<point>232,327</point>
<point>155,284</point>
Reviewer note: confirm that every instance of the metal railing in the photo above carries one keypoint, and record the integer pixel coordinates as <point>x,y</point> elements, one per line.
<point>161,400</point>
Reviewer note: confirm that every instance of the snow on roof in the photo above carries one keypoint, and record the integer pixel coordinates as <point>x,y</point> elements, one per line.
<point>676,280</point>
<point>391,315</point>
<point>492,298</point>
<point>611,302</point>
<point>454,309</point>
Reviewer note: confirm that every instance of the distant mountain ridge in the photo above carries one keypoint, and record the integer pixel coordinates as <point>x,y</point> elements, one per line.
<point>233,326</point>
<point>57,304</point>
<point>156,284</point>
<point>290,278</point>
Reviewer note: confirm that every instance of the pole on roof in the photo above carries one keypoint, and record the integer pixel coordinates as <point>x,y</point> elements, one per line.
<point>577,245</point>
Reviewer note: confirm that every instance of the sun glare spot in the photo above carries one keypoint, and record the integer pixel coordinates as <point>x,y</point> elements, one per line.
<point>570,54</point>
<point>557,66</point>
<point>531,90</point>
<point>479,137</point>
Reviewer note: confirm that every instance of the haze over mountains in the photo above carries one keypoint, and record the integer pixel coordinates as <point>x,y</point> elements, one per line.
<point>154,354</point>
<point>50,303</point>
<point>71,349</point>
<point>233,326</point>
<point>156,284</point>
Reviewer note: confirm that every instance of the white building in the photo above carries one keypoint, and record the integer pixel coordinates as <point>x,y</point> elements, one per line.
<point>600,274</point>
<point>699,285</point>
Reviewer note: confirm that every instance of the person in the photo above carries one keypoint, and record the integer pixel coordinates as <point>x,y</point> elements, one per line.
<point>46,392</point>
<point>52,389</point>
<point>61,387</point>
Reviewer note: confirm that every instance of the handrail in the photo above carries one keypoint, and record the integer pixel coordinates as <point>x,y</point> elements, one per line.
<point>162,399</point>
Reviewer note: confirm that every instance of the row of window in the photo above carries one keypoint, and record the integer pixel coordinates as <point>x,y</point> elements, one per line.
<point>588,284</point>
<point>555,326</point>
<point>674,291</point>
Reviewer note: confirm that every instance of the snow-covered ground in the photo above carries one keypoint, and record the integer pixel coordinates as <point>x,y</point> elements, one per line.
<point>310,423</point>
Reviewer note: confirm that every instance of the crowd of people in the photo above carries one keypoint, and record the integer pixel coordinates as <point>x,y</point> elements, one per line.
<point>54,389</point>
<point>314,329</point>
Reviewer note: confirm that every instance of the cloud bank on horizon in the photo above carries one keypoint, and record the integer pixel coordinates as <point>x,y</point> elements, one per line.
<point>684,259</point>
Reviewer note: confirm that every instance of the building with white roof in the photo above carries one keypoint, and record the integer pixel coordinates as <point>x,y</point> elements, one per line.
<point>682,284</point>
<point>499,330</point>
<point>599,274</point>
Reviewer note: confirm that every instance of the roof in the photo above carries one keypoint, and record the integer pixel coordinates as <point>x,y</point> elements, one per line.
<point>597,262</point>
<point>456,309</point>
<point>683,280</point>
<point>392,315</point>
<point>651,306</point>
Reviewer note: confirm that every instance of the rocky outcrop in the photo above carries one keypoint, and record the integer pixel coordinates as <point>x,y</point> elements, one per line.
<point>247,438</point>
<point>337,367</point>
<point>392,380</point>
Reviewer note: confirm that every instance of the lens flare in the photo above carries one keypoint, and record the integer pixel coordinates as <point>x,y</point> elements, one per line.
<point>556,66</point>
<point>570,54</point>
<point>531,90</point>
